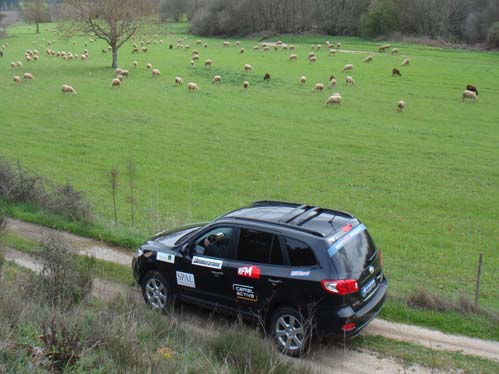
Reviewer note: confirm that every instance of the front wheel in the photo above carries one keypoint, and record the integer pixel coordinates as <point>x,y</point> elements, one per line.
<point>156,291</point>
<point>289,331</point>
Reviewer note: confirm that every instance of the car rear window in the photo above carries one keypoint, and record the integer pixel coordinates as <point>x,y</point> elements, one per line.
<point>353,252</point>
<point>299,253</point>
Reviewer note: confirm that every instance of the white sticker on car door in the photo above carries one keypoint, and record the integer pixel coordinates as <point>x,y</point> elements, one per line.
<point>186,279</point>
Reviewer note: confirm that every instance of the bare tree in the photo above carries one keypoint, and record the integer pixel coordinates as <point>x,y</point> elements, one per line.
<point>114,174</point>
<point>130,165</point>
<point>35,11</point>
<point>114,21</point>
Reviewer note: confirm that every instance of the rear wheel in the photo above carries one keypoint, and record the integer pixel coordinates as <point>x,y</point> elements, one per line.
<point>156,291</point>
<point>289,331</point>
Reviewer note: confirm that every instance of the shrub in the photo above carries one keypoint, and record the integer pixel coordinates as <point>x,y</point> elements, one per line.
<point>3,225</point>
<point>382,19</point>
<point>493,35</point>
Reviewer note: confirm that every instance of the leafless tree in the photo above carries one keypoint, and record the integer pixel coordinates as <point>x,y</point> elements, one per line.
<point>114,174</point>
<point>114,21</point>
<point>131,170</point>
<point>36,11</point>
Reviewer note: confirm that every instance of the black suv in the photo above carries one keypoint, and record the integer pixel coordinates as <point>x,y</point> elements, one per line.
<point>297,268</point>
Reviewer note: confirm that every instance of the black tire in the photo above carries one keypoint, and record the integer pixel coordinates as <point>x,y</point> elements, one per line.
<point>290,331</point>
<point>156,291</point>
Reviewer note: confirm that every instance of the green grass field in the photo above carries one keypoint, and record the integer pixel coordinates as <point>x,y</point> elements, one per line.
<point>424,181</point>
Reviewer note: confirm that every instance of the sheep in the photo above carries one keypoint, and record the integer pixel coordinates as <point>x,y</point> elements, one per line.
<point>207,63</point>
<point>17,79</point>
<point>395,51</point>
<point>331,77</point>
<point>135,50</point>
<point>241,51</point>
<point>29,76</point>
<point>28,58</point>
<point>266,77</point>
<point>193,63</point>
<point>293,57</point>
<point>291,47</point>
<point>118,71</point>
<point>199,42</point>
<point>120,77</point>
<point>368,59</point>
<point>256,47</point>
<point>405,62</point>
<point>312,59</point>
<point>349,81</point>
<point>332,83</point>
<point>179,81</point>
<point>332,52</point>
<point>217,79</point>
<point>116,83</point>
<point>67,89</point>
<point>303,79</point>
<point>248,67</point>
<point>318,87</point>
<point>265,49</point>
<point>338,45</point>
<point>334,99</point>
<point>149,65</point>
<point>396,71</point>
<point>84,57</point>
<point>194,52</point>
<point>205,45</point>
<point>246,85</point>
<point>144,49</point>
<point>238,43</point>
<point>19,64</point>
<point>383,48</point>
<point>135,64</point>
<point>191,86</point>
<point>311,54</point>
<point>156,73</point>
<point>13,65</point>
<point>470,87</point>
<point>195,58</point>
<point>401,106</point>
<point>471,95</point>
<point>226,44</point>
<point>348,67</point>
<point>124,73</point>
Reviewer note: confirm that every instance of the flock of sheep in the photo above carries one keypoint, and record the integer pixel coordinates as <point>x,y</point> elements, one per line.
<point>470,93</point>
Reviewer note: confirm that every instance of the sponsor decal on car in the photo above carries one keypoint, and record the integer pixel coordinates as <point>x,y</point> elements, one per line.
<point>165,257</point>
<point>249,271</point>
<point>244,292</point>
<point>299,273</point>
<point>207,262</point>
<point>186,279</point>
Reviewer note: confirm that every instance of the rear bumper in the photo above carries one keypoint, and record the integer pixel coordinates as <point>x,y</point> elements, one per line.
<point>330,321</point>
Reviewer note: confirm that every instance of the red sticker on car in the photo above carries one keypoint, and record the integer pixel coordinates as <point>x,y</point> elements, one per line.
<point>249,271</point>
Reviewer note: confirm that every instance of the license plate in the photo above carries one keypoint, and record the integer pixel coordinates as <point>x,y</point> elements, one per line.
<point>368,287</point>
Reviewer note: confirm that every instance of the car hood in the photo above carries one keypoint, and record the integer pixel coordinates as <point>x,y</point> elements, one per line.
<point>167,239</point>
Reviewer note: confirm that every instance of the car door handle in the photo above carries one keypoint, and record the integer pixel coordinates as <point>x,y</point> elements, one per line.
<point>274,282</point>
<point>217,273</point>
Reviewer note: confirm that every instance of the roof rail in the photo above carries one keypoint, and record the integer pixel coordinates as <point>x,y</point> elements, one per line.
<point>276,202</point>
<point>283,224</point>
<point>307,215</point>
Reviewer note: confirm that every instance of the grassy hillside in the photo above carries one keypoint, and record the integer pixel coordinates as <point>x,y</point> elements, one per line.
<point>424,181</point>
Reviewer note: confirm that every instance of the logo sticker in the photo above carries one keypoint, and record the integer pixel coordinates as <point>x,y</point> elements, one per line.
<point>299,273</point>
<point>165,257</point>
<point>244,292</point>
<point>249,272</point>
<point>186,279</point>
<point>207,262</point>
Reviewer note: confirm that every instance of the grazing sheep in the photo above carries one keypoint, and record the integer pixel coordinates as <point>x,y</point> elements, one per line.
<point>144,49</point>
<point>12,65</point>
<point>311,54</point>
<point>19,64</point>
<point>291,47</point>
<point>338,45</point>
<point>191,86</point>
<point>248,67</point>
<point>383,48</point>
<point>332,83</point>
<point>395,51</point>
<point>149,65</point>
<point>332,52</point>
<point>217,79</point>
<point>319,87</point>
<point>293,57</point>
<point>205,45</point>
<point>194,52</point>
<point>256,48</point>
<point>116,83</point>
<point>179,81</point>
<point>29,76</point>
<point>368,59</point>
<point>405,62</point>
<point>312,59</point>
<point>334,99</point>
<point>471,95</point>
<point>470,87</point>
<point>17,79</point>
<point>156,73</point>
<point>195,58</point>
<point>396,71</point>
<point>135,50</point>
<point>349,81</point>
<point>28,58</point>
<point>266,77</point>
<point>226,44</point>
<point>241,51</point>
<point>84,57</point>
<point>265,49</point>
<point>120,77</point>
<point>348,67</point>
<point>303,79</point>
<point>118,71</point>
<point>207,63</point>
<point>246,85</point>
<point>67,89</point>
<point>135,64</point>
<point>401,106</point>
<point>124,73</point>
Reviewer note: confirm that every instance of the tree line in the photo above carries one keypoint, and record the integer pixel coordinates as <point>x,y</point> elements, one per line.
<point>470,21</point>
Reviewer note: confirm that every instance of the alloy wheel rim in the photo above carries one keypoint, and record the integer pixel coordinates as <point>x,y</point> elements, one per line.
<point>289,332</point>
<point>156,293</point>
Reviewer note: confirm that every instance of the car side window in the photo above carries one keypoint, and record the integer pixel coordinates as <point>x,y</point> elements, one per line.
<point>214,243</point>
<point>259,247</point>
<point>299,253</point>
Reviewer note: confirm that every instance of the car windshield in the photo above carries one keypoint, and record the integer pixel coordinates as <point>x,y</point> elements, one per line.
<point>352,253</point>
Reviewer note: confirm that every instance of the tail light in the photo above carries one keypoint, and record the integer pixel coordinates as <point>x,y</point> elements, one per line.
<point>340,287</point>
<point>348,327</point>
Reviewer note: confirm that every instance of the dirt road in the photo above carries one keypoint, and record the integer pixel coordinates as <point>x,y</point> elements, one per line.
<point>407,333</point>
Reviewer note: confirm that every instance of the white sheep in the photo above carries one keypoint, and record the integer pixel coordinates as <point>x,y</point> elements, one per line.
<point>318,87</point>
<point>29,76</point>
<point>368,59</point>
<point>124,73</point>
<point>17,79</point>
<point>471,95</point>
<point>246,85</point>
<point>248,67</point>
<point>348,67</point>
<point>401,106</point>
<point>67,89</point>
<point>120,77</point>
<point>332,83</point>
<point>116,83</point>
<point>241,50</point>
<point>349,81</point>
<point>19,64</point>
<point>156,73</point>
<point>334,99</point>
<point>12,65</point>
<point>226,44</point>
<point>338,45</point>
<point>179,81</point>
<point>256,47</point>
<point>312,59</point>
<point>149,65</point>
<point>405,62</point>
<point>395,51</point>
<point>205,45</point>
<point>195,58</point>
<point>303,79</point>
<point>332,51</point>
<point>191,86</point>
<point>217,79</point>
<point>207,63</point>
<point>135,64</point>
<point>293,57</point>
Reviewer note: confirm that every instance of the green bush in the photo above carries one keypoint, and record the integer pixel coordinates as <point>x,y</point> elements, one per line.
<point>382,19</point>
<point>493,35</point>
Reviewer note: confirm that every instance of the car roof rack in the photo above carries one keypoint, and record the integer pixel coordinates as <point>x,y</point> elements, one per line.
<point>283,224</point>
<point>284,203</point>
